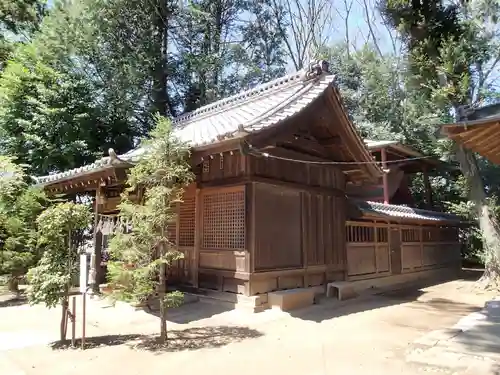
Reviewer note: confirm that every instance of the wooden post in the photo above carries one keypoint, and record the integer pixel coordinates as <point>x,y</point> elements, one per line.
<point>428,190</point>
<point>385,183</point>
<point>95,263</point>
<point>73,321</point>
<point>197,237</point>
<point>84,317</point>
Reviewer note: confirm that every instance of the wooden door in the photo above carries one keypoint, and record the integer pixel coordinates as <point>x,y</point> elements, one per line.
<point>395,250</point>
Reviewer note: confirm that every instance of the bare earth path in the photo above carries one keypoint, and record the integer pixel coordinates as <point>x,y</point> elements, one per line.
<point>373,335</point>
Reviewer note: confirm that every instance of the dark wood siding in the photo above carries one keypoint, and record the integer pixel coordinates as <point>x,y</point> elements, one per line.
<point>297,228</point>
<point>301,173</point>
<point>323,229</point>
<point>277,228</point>
<point>222,166</point>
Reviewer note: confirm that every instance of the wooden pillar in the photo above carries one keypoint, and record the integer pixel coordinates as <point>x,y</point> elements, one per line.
<point>249,234</point>
<point>95,259</point>
<point>197,238</point>
<point>427,190</point>
<point>385,181</point>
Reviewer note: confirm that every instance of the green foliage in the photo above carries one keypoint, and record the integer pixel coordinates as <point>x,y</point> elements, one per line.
<point>377,95</point>
<point>93,74</point>
<point>137,256</point>
<point>21,15</point>
<point>471,237</point>
<point>453,50</point>
<point>18,21</point>
<point>61,230</point>
<point>47,118</point>
<point>20,205</point>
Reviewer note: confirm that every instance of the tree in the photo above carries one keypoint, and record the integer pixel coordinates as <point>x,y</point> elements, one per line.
<point>61,233</point>
<point>304,26</point>
<point>140,258</point>
<point>18,20</point>
<point>20,205</point>
<point>73,92</point>
<point>453,54</point>
<point>48,119</point>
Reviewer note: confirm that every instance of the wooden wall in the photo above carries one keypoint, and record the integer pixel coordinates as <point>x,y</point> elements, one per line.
<point>367,249</point>
<point>223,166</point>
<point>313,175</point>
<point>278,228</point>
<point>420,247</point>
<point>299,238</point>
<point>267,224</point>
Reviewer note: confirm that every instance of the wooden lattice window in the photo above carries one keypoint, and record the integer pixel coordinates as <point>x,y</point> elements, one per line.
<point>187,222</point>
<point>356,233</point>
<point>172,232</point>
<point>411,235</point>
<point>224,220</point>
<point>382,235</point>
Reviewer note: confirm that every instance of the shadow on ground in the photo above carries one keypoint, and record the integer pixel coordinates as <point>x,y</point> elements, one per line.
<point>471,274</point>
<point>191,311</point>
<point>12,300</point>
<point>329,309</point>
<point>186,339</point>
<point>482,336</point>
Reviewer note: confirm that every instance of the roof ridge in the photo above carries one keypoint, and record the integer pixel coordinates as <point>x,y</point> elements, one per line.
<point>304,75</point>
<point>237,99</point>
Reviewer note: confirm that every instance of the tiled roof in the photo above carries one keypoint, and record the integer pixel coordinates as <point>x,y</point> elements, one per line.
<point>404,212</point>
<point>247,112</point>
<point>371,144</point>
<point>395,145</point>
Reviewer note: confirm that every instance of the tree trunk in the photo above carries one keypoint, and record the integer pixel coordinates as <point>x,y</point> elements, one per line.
<point>163,307</point>
<point>490,230</point>
<point>13,285</point>
<point>160,73</point>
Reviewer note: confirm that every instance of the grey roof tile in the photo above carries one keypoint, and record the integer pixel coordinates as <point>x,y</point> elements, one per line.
<point>404,212</point>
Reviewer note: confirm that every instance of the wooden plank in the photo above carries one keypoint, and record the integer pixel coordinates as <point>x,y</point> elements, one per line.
<point>261,275</point>
<point>478,134</point>
<point>277,227</point>
<point>304,208</point>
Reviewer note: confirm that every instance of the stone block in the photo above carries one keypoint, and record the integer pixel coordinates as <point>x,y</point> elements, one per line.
<point>291,299</point>
<point>341,290</point>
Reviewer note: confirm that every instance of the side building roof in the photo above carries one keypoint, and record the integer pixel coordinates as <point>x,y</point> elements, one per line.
<point>395,212</point>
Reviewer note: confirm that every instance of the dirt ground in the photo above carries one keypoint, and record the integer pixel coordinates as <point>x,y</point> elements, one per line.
<point>371,335</point>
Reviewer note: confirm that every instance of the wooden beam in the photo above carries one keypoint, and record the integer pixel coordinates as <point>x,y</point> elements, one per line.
<point>197,238</point>
<point>348,136</point>
<point>489,147</point>
<point>95,262</point>
<point>461,132</point>
<point>307,147</point>
<point>331,141</point>
<point>226,146</point>
<point>385,181</point>
<point>484,134</point>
